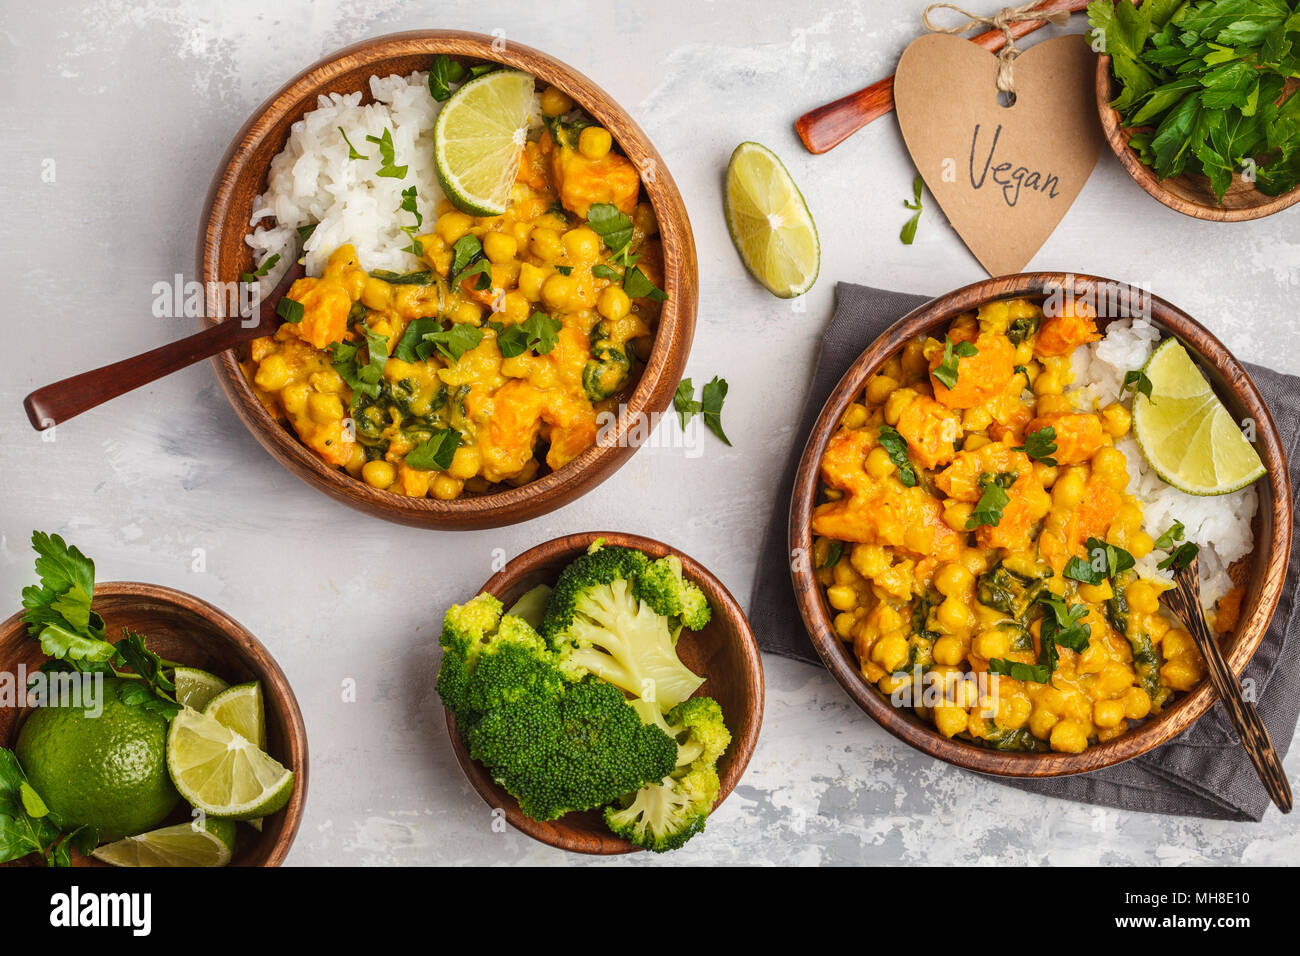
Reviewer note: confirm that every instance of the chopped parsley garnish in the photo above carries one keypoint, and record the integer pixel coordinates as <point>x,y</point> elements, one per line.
<point>305,231</point>
<point>1175,533</point>
<point>1061,626</point>
<point>710,404</point>
<point>423,277</point>
<point>456,341</point>
<point>564,270</point>
<point>352,150</point>
<point>468,260</point>
<point>444,72</point>
<point>1039,445</point>
<point>416,248</point>
<point>614,228</point>
<point>834,551</point>
<point>262,271</point>
<point>1104,561</point>
<point>602,271</point>
<point>1179,558</point>
<point>988,511</point>
<point>412,347</point>
<point>909,227</point>
<point>896,445</point>
<point>1037,673</point>
<point>291,310</point>
<point>436,453</point>
<point>684,401</point>
<point>538,332</point>
<point>953,352</point>
<point>638,286</point>
<point>1138,381</point>
<point>387,168</point>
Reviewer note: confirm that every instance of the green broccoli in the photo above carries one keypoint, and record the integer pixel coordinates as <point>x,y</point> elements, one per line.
<point>597,625</point>
<point>664,815</point>
<point>555,744</point>
<point>662,586</point>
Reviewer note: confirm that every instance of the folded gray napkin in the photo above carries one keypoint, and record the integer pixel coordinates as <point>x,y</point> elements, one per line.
<point>1204,772</point>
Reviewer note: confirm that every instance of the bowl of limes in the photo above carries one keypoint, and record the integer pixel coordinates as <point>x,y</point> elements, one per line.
<point>141,726</point>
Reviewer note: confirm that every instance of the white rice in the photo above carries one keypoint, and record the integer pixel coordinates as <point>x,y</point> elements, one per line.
<point>313,180</point>
<point>1219,525</point>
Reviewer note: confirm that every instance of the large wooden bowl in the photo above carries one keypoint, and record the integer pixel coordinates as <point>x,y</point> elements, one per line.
<point>180,627</point>
<point>1264,572</point>
<point>1188,193</point>
<point>725,653</point>
<point>223,255</point>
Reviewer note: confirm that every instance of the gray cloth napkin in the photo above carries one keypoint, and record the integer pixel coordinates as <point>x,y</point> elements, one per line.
<point>1204,772</point>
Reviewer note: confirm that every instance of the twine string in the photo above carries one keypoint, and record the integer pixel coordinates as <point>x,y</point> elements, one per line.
<point>1002,21</point>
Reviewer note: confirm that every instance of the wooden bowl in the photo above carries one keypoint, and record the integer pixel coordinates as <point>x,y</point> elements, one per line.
<point>725,653</point>
<point>1264,571</point>
<point>180,627</point>
<point>223,255</point>
<point>1188,193</point>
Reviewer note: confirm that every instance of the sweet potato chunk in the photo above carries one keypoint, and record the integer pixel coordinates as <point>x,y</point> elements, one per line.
<point>1075,325</point>
<point>1078,436</point>
<point>980,377</point>
<point>930,430</point>
<point>583,182</point>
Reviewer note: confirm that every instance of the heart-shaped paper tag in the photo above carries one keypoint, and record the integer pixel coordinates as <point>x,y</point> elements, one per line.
<point>1004,175</point>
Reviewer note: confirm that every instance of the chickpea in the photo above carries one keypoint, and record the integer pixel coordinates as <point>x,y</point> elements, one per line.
<point>1142,597</point>
<point>855,416</point>
<point>1177,642</point>
<point>976,419</point>
<point>465,462</point>
<point>948,650</point>
<point>1048,383</point>
<point>879,464</point>
<point>842,597</point>
<point>1041,723</point>
<point>376,294</point>
<point>995,642</point>
<point>1116,420</point>
<point>1109,465</point>
<point>356,461</point>
<point>467,312</point>
<point>594,142</point>
<point>957,514</point>
<point>613,303</point>
<point>582,244</point>
<point>950,720</point>
<point>516,306</point>
<point>1068,490</point>
<point>446,488</point>
<point>953,615</point>
<point>273,374</point>
<point>1180,674</point>
<point>1137,703</point>
<point>1107,713</point>
<point>1045,474</point>
<point>499,247</point>
<point>1013,711</point>
<point>1140,544</point>
<point>890,652</point>
<point>324,408</point>
<point>545,244</point>
<point>453,226</point>
<point>896,403</point>
<point>558,290</point>
<point>554,102</point>
<point>378,474</point>
<point>294,397</point>
<point>879,388</point>
<point>1069,736</point>
<point>843,624</point>
<point>531,278</point>
<point>1096,593</point>
<point>952,579</point>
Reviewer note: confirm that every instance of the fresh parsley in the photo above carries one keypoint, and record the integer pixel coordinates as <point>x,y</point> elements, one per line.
<point>834,551</point>
<point>291,310</point>
<point>1138,381</point>
<point>953,352</point>
<point>352,150</point>
<point>423,277</point>
<point>387,155</point>
<point>305,231</point>
<point>436,453</point>
<point>1104,560</point>
<point>638,286</point>
<point>444,72</point>
<point>988,511</point>
<point>1179,558</point>
<point>909,227</point>
<point>456,341</point>
<point>26,825</point>
<point>467,260</point>
<point>1174,533</point>
<point>262,271</point>
<point>712,397</point>
<point>614,228</point>
<point>684,402</point>
<point>539,332</point>
<point>1040,445</point>
<point>1037,673</point>
<point>409,204</point>
<point>896,445</point>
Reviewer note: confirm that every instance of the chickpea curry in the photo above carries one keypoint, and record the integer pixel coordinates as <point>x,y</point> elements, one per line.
<point>976,530</point>
<point>492,362</point>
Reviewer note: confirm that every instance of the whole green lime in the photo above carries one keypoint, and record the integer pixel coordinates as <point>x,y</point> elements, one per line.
<point>107,771</point>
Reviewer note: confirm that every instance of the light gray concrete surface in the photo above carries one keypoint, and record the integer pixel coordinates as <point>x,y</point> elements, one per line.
<point>131,105</point>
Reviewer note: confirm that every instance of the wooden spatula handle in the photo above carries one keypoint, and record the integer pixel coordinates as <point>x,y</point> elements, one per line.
<point>52,404</point>
<point>827,126</point>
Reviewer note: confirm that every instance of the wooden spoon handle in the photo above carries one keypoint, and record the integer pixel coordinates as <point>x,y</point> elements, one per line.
<point>1245,718</point>
<point>827,126</point>
<point>57,403</point>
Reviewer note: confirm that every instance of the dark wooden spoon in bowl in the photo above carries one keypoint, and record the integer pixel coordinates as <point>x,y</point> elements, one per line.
<point>53,404</point>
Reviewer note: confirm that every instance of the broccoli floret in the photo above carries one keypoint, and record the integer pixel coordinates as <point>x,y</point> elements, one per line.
<point>555,745</point>
<point>600,565</point>
<point>664,815</point>
<point>662,586</point>
<point>574,750</point>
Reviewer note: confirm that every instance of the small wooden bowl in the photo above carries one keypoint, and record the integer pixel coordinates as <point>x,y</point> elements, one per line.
<point>725,653</point>
<point>223,255</point>
<point>1264,571</point>
<point>180,627</point>
<point>1188,193</point>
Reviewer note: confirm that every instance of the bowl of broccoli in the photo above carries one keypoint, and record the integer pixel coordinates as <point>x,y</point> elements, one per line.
<point>603,690</point>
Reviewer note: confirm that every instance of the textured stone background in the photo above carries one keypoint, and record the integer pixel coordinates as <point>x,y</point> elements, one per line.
<point>135,104</point>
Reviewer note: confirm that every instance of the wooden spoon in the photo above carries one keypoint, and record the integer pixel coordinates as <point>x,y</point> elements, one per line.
<point>53,404</point>
<point>827,126</point>
<point>1185,601</point>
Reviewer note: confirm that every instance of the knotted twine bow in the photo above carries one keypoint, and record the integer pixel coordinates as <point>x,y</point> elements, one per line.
<point>1001,20</point>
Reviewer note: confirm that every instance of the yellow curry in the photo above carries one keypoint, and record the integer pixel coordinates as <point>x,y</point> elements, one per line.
<point>976,530</point>
<point>495,361</point>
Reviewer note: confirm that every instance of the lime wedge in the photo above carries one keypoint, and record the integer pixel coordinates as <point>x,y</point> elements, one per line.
<point>209,842</point>
<point>240,708</point>
<point>479,137</point>
<point>1189,438</point>
<point>221,772</point>
<point>194,688</point>
<point>770,223</point>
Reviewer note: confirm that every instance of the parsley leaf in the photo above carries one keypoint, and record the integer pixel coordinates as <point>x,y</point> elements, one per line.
<point>834,551</point>
<point>25,824</point>
<point>946,372</point>
<point>1037,673</point>
<point>1039,445</point>
<point>1174,533</point>
<point>538,332</point>
<point>613,226</point>
<point>468,260</point>
<point>1138,381</point>
<point>352,150</point>
<point>896,445</point>
<point>416,248</point>
<point>262,271</point>
<point>444,72</point>
<point>291,310</point>
<point>1181,557</point>
<point>988,511</point>
<point>436,453</point>
<point>685,403</point>
<point>711,399</point>
<point>387,155</point>
<point>909,227</point>
<point>456,341</point>
<point>638,286</point>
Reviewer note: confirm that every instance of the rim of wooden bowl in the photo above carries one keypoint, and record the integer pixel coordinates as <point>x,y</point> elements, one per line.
<point>1264,587</point>
<point>541,564</point>
<point>284,718</point>
<point>1186,193</point>
<point>222,254</point>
